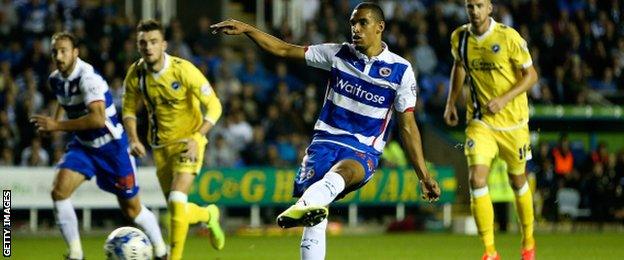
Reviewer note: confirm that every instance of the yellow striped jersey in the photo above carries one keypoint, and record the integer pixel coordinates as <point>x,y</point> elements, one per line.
<point>493,62</point>
<point>174,97</point>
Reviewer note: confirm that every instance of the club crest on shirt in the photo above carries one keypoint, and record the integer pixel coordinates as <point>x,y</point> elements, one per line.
<point>370,164</point>
<point>495,48</point>
<point>175,85</point>
<point>385,71</point>
<point>306,174</point>
<point>93,90</point>
<point>469,143</point>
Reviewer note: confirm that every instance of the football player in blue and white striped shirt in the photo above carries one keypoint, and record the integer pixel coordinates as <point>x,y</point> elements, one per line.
<point>367,84</point>
<point>99,146</point>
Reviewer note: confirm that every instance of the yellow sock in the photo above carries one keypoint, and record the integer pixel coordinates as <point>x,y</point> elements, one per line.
<point>524,206</point>
<point>179,227</point>
<point>483,212</point>
<point>196,213</point>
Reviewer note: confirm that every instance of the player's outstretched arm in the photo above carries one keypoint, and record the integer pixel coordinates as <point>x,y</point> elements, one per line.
<point>93,120</point>
<point>458,76</point>
<point>266,41</point>
<point>410,135</point>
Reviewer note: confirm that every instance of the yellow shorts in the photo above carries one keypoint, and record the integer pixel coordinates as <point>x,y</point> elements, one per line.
<point>168,160</point>
<point>484,143</point>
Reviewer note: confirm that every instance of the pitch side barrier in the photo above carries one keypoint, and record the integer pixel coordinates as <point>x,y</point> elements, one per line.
<point>253,187</point>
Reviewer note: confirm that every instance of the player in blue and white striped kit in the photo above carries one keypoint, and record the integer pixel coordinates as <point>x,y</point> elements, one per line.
<point>99,146</point>
<point>367,84</point>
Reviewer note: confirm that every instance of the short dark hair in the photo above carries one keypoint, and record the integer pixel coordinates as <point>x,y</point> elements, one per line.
<point>150,25</point>
<point>374,8</point>
<point>66,36</point>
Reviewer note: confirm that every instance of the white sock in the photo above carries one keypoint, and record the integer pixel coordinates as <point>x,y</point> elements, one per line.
<point>148,222</point>
<point>313,242</point>
<point>324,191</point>
<point>480,192</point>
<point>68,223</point>
<point>524,189</point>
<point>178,196</point>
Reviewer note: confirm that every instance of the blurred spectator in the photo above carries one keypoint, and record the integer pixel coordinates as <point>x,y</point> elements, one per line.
<point>424,55</point>
<point>286,149</point>
<point>250,107</point>
<point>116,90</point>
<point>255,153</point>
<point>226,84</point>
<point>273,157</point>
<point>309,115</point>
<point>312,35</point>
<point>238,133</point>
<point>221,153</point>
<point>283,76</point>
<point>600,193</point>
<point>253,72</point>
<point>35,155</point>
<point>606,84</point>
<point>33,16</point>
<point>8,18</point>
<point>600,154</point>
<point>6,156</point>
<point>563,159</point>
<point>204,42</point>
<point>32,96</point>
<point>176,46</point>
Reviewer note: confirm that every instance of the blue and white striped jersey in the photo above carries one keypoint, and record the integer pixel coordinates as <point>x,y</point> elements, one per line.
<point>76,92</point>
<point>361,94</point>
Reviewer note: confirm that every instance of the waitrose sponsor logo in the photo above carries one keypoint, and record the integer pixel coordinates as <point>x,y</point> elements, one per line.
<point>355,90</point>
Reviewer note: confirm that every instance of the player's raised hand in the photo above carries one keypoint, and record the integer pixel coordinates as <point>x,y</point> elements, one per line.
<point>230,27</point>
<point>137,149</point>
<point>430,189</point>
<point>450,115</point>
<point>44,124</point>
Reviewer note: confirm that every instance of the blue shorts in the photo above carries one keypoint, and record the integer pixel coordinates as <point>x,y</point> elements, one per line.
<point>321,157</point>
<point>112,165</point>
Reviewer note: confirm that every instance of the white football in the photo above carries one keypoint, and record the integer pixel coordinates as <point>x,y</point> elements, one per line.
<point>128,243</point>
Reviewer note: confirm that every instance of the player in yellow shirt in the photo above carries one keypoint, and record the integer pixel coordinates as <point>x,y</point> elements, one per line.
<point>495,62</point>
<point>175,93</point>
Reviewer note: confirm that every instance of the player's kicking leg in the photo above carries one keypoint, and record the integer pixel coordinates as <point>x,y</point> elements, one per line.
<point>65,184</point>
<point>310,210</point>
<point>301,215</point>
<point>144,218</point>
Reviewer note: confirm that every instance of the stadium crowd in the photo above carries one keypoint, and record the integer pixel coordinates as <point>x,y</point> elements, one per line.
<point>270,105</point>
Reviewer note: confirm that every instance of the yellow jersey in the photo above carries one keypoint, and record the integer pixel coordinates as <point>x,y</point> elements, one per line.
<point>174,97</point>
<point>492,62</point>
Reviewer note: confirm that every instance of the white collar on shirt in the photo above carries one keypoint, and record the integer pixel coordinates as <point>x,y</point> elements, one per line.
<point>165,66</point>
<point>486,33</point>
<point>384,55</point>
<point>75,72</point>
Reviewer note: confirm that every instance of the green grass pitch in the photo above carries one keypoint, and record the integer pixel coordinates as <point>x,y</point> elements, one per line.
<point>388,246</point>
